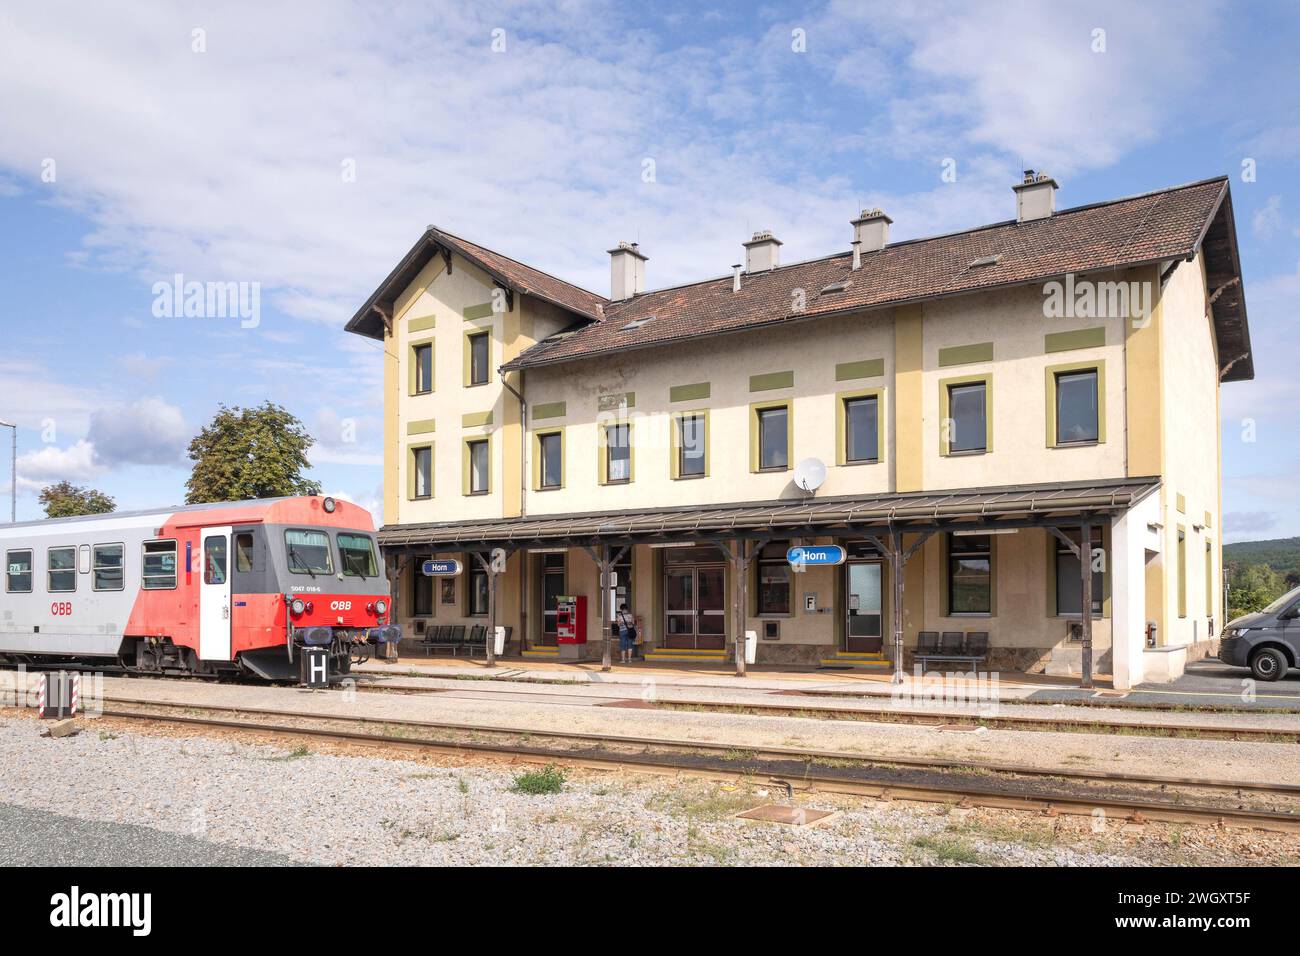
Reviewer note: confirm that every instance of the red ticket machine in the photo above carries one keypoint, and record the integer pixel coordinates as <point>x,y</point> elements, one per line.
<point>571,619</point>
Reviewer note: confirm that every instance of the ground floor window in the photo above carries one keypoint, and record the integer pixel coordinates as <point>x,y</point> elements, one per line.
<point>478,591</point>
<point>970,574</point>
<point>421,590</point>
<point>773,580</point>
<point>1069,579</point>
<point>553,586</point>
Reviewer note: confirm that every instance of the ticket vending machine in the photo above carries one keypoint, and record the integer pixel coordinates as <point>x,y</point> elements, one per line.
<point>571,625</point>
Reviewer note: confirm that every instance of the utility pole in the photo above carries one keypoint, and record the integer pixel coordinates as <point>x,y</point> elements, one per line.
<point>13,474</point>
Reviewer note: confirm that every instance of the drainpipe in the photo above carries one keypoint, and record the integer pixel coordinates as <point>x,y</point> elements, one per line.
<point>523,505</point>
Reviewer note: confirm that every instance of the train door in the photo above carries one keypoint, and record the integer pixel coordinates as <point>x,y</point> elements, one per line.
<point>214,596</point>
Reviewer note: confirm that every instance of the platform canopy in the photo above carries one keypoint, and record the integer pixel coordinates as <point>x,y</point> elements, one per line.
<point>1012,506</point>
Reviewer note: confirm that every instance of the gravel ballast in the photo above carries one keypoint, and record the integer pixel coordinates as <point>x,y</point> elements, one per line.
<point>298,804</point>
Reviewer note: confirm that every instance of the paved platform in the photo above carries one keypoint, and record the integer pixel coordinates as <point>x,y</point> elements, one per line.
<point>1208,684</point>
<point>508,706</point>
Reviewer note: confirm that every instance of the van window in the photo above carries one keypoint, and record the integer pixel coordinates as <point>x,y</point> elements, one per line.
<point>244,552</point>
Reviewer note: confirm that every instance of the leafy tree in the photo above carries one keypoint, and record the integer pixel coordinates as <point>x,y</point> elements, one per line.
<point>66,500</point>
<point>246,453</point>
<point>1252,587</point>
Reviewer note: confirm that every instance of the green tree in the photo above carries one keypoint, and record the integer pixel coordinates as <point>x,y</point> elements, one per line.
<point>246,453</point>
<point>66,500</point>
<point>1252,587</point>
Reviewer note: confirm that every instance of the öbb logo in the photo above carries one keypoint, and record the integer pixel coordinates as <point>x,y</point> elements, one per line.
<point>340,605</point>
<point>61,608</point>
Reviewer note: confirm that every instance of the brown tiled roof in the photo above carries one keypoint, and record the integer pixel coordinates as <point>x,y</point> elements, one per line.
<point>1005,506</point>
<point>1166,225</point>
<point>508,272</point>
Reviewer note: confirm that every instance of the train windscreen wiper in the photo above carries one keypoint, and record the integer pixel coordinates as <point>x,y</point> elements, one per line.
<point>294,556</point>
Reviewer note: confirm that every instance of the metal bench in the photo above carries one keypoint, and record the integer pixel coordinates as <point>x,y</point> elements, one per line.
<point>952,648</point>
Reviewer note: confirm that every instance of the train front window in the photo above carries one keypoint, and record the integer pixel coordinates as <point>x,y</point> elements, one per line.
<point>18,577</point>
<point>357,556</point>
<point>309,552</point>
<point>62,570</point>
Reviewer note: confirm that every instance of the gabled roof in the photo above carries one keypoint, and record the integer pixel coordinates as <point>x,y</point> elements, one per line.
<point>508,273</point>
<point>1170,224</point>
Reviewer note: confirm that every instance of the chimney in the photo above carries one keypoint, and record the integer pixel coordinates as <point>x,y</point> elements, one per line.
<point>1035,196</point>
<point>735,277</point>
<point>857,255</point>
<point>626,271</point>
<point>762,253</point>
<point>871,228</point>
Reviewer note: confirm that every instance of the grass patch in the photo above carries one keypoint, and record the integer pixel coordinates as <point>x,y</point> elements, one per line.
<point>550,779</point>
<point>697,804</point>
<point>297,753</point>
<point>948,849</point>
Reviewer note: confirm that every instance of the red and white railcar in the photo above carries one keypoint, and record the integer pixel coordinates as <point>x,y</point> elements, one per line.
<point>241,586</point>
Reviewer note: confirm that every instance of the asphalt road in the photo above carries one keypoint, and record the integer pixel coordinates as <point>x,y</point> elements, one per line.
<point>41,838</point>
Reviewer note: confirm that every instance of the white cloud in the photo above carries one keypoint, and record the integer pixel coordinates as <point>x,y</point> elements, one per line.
<point>539,150</point>
<point>145,432</point>
<point>51,464</point>
<point>1268,218</point>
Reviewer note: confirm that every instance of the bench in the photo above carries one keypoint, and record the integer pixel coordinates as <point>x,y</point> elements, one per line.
<point>952,647</point>
<point>444,637</point>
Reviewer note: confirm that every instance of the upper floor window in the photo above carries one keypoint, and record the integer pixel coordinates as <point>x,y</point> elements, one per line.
<point>18,574</point>
<point>1077,418</point>
<point>423,358</point>
<point>158,563</point>
<point>550,447</point>
<point>478,466</point>
<point>967,422</point>
<point>774,438</point>
<point>861,429</point>
<point>422,472</point>
<point>970,574</point>
<point>62,569</point>
<point>618,453</point>
<point>479,344</point>
<point>108,567</point>
<point>691,445</point>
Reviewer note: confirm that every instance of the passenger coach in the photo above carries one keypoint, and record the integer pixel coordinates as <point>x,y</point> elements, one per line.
<point>206,589</point>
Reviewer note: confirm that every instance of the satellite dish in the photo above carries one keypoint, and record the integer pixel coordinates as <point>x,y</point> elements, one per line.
<point>809,474</point>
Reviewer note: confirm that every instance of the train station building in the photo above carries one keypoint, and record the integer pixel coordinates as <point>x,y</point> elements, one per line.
<point>987,422</point>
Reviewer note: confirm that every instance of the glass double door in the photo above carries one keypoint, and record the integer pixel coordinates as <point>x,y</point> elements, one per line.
<point>863,628</point>
<point>695,608</point>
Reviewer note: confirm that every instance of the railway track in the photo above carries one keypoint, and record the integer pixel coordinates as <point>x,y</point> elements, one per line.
<point>1270,806</point>
<point>887,714</point>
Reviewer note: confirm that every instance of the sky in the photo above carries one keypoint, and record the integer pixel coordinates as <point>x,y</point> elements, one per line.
<point>301,149</point>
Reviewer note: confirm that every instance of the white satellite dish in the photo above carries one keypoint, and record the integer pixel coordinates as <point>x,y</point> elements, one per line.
<point>809,474</point>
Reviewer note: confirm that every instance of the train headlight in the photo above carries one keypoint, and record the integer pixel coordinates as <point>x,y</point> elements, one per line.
<point>328,504</point>
<point>381,607</point>
<point>297,607</point>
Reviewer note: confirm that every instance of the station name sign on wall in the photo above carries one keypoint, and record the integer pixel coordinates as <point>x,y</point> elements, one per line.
<point>826,555</point>
<point>442,568</point>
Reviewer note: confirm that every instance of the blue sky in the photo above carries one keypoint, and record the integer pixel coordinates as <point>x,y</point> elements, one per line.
<point>304,148</point>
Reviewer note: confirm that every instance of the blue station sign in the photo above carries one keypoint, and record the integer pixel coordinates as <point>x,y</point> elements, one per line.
<point>822,555</point>
<point>442,568</point>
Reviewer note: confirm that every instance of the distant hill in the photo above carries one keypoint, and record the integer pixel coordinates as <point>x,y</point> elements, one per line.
<point>1280,554</point>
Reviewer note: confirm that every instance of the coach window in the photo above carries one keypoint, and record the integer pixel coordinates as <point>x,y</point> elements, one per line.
<point>214,560</point>
<point>108,567</point>
<point>158,566</point>
<point>357,556</point>
<point>18,577</point>
<point>309,552</point>
<point>61,570</point>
